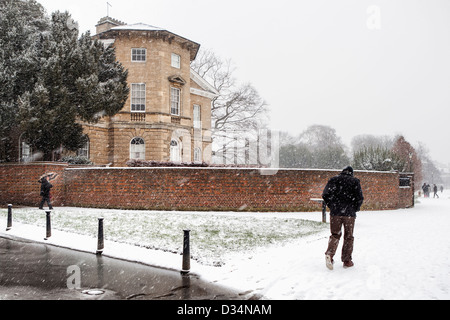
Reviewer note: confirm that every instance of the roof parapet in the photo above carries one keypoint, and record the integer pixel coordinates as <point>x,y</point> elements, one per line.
<point>106,23</point>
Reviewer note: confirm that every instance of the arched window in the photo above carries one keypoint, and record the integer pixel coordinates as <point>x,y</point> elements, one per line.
<point>137,148</point>
<point>175,151</point>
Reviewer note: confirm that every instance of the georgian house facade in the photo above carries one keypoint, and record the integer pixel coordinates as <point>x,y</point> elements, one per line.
<point>167,116</point>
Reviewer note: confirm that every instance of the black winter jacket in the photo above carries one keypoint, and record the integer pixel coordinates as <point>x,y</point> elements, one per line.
<point>343,195</point>
<point>45,187</point>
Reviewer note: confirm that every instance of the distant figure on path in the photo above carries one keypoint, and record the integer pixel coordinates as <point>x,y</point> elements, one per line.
<point>343,195</point>
<point>435,190</point>
<point>426,190</point>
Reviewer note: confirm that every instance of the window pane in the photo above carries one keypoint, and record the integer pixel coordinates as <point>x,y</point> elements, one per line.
<point>137,97</point>
<point>175,101</point>
<point>175,60</point>
<point>175,154</point>
<point>196,115</point>
<point>197,155</point>
<point>26,152</point>
<point>84,151</point>
<point>137,149</point>
<point>138,54</point>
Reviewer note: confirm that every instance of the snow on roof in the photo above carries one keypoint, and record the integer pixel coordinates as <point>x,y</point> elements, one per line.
<point>138,26</point>
<point>192,46</point>
<point>208,90</point>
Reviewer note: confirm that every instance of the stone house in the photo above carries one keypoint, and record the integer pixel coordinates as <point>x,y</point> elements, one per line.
<point>167,116</point>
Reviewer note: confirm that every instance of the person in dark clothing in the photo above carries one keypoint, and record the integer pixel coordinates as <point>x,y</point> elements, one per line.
<point>45,192</point>
<point>424,187</point>
<point>435,191</point>
<point>343,195</point>
<point>426,190</point>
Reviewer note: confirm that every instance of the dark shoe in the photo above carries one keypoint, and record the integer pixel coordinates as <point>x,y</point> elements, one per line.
<point>329,261</point>
<point>348,264</point>
<point>41,208</point>
<point>50,208</point>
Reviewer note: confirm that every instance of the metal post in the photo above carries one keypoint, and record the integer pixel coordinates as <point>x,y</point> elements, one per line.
<point>186,253</point>
<point>48,225</point>
<point>100,242</point>
<point>9,222</point>
<point>324,212</point>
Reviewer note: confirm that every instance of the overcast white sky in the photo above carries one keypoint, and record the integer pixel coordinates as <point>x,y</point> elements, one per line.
<point>377,67</point>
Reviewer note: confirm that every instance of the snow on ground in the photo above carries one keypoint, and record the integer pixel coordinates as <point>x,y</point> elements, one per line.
<point>398,254</point>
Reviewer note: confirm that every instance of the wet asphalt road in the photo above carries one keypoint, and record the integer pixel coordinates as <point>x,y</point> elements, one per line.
<point>32,271</point>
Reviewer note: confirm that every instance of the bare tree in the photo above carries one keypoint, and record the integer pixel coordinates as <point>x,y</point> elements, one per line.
<point>239,109</point>
<point>430,173</point>
<point>237,106</point>
<point>318,146</point>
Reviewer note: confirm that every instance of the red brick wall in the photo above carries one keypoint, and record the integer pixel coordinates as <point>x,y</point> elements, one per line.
<point>19,183</point>
<point>195,188</point>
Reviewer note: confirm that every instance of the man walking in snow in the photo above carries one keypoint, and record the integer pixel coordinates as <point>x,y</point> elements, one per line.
<point>343,195</point>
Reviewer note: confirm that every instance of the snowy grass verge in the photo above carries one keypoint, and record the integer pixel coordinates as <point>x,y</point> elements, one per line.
<point>215,236</point>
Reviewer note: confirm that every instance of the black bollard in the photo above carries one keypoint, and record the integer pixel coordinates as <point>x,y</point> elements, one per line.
<point>324,212</point>
<point>9,222</point>
<point>48,225</point>
<point>100,241</point>
<point>186,253</point>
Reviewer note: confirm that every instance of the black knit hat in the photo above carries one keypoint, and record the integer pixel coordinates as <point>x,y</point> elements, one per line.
<point>348,170</point>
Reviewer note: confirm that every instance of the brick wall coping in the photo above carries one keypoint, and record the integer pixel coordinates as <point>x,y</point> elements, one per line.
<point>227,168</point>
<point>64,164</point>
<point>87,167</point>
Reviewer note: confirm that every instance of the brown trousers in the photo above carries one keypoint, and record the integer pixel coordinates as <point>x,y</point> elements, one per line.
<point>336,223</point>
